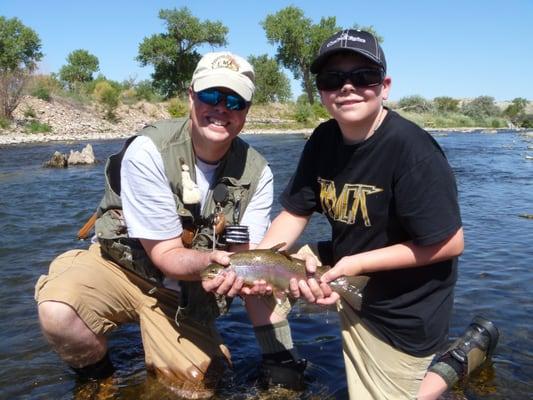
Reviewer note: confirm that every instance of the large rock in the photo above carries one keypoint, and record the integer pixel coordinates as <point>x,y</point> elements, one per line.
<point>58,160</point>
<point>86,156</point>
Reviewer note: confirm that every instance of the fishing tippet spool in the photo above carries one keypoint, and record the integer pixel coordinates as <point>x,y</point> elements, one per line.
<point>235,233</point>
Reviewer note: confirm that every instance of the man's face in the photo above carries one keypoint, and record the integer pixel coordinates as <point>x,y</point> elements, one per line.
<point>215,124</point>
<point>353,105</point>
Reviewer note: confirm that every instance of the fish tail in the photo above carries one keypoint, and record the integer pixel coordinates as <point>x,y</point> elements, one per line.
<point>351,286</point>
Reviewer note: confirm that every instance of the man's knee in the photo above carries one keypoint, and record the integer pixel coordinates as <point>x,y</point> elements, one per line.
<point>56,317</point>
<point>60,323</point>
<point>69,335</point>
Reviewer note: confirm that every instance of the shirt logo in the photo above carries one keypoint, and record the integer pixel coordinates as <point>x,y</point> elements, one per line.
<point>351,201</point>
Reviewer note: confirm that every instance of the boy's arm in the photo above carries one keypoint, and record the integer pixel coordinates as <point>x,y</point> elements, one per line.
<point>397,256</point>
<point>286,228</point>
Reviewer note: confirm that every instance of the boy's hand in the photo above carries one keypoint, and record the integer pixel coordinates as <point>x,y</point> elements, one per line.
<point>310,289</point>
<point>344,267</point>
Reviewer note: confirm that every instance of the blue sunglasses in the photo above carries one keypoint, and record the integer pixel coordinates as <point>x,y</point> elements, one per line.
<point>214,96</point>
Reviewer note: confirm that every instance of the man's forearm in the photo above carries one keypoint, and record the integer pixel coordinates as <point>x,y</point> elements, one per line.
<point>178,262</point>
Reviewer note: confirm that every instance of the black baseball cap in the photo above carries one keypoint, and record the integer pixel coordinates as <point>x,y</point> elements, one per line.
<point>350,40</point>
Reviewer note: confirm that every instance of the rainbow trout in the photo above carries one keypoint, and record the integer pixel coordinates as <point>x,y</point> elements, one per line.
<point>277,268</point>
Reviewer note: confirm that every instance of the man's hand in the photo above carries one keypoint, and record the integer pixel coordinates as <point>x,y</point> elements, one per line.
<point>227,283</point>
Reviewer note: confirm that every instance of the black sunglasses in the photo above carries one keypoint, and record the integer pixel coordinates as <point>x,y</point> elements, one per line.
<point>213,96</point>
<point>363,77</point>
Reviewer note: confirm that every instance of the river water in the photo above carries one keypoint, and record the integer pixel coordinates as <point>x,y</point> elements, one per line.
<point>42,209</point>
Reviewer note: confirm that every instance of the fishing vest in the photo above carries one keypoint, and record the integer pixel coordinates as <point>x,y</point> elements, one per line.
<point>239,171</point>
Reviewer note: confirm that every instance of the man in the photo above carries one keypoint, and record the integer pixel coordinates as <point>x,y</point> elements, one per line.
<point>391,200</point>
<point>170,196</point>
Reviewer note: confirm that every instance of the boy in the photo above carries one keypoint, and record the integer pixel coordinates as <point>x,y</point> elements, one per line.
<point>391,199</point>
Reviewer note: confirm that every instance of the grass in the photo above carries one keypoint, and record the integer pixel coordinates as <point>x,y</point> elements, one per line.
<point>37,127</point>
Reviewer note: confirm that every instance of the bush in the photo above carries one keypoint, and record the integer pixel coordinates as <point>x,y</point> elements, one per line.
<point>4,123</point>
<point>446,104</point>
<point>43,86</point>
<point>128,96</point>
<point>90,87</point>
<point>37,127</point>
<point>108,96</point>
<point>496,123</point>
<point>481,107</point>
<point>42,93</point>
<point>319,111</point>
<point>178,108</point>
<point>525,121</point>
<point>145,91</point>
<point>303,112</point>
<point>29,112</point>
<point>415,103</point>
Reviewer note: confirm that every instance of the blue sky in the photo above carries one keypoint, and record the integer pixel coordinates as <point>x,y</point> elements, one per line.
<point>457,48</point>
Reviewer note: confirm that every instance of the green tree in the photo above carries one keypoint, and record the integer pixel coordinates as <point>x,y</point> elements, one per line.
<point>20,51</point>
<point>298,41</point>
<point>173,54</point>
<point>481,107</point>
<point>516,110</point>
<point>80,67</point>
<point>446,104</point>
<point>271,84</point>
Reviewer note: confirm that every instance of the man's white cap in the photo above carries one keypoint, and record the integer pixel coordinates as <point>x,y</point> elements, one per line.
<point>224,69</point>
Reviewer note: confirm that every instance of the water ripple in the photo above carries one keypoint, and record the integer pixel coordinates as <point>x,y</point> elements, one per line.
<point>42,209</point>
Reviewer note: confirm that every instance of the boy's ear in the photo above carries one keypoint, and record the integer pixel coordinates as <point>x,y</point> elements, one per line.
<point>385,90</point>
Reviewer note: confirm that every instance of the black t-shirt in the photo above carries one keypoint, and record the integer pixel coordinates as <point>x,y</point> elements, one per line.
<point>394,187</point>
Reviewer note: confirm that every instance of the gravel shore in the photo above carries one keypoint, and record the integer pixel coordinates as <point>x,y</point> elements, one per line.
<point>70,121</point>
<point>23,138</point>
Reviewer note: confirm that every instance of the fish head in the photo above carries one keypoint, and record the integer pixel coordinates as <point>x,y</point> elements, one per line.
<point>212,271</point>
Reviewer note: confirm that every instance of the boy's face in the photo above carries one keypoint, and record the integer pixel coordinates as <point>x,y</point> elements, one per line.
<point>353,105</point>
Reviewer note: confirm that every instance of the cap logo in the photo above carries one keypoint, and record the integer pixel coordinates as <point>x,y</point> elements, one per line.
<point>225,61</point>
<point>346,37</point>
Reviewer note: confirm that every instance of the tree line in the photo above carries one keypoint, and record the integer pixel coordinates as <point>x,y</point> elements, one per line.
<point>173,54</point>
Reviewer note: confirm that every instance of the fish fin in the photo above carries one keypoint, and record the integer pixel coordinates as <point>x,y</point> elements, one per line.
<point>358,282</point>
<point>350,284</point>
<point>351,289</point>
<point>278,246</point>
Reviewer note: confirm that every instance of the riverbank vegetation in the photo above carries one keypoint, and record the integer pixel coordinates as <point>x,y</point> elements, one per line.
<point>173,56</point>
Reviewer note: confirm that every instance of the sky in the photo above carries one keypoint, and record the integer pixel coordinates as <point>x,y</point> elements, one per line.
<point>456,48</point>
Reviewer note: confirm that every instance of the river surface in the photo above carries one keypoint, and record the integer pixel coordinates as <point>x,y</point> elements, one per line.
<point>42,209</point>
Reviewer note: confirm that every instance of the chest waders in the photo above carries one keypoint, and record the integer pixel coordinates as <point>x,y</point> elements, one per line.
<point>239,171</point>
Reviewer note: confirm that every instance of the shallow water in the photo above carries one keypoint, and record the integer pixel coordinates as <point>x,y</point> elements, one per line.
<point>42,209</point>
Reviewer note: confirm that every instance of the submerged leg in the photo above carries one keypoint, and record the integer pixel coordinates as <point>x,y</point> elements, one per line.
<point>465,355</point>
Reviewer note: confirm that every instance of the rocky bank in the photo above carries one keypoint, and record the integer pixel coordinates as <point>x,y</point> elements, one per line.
<point>70,120</point>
